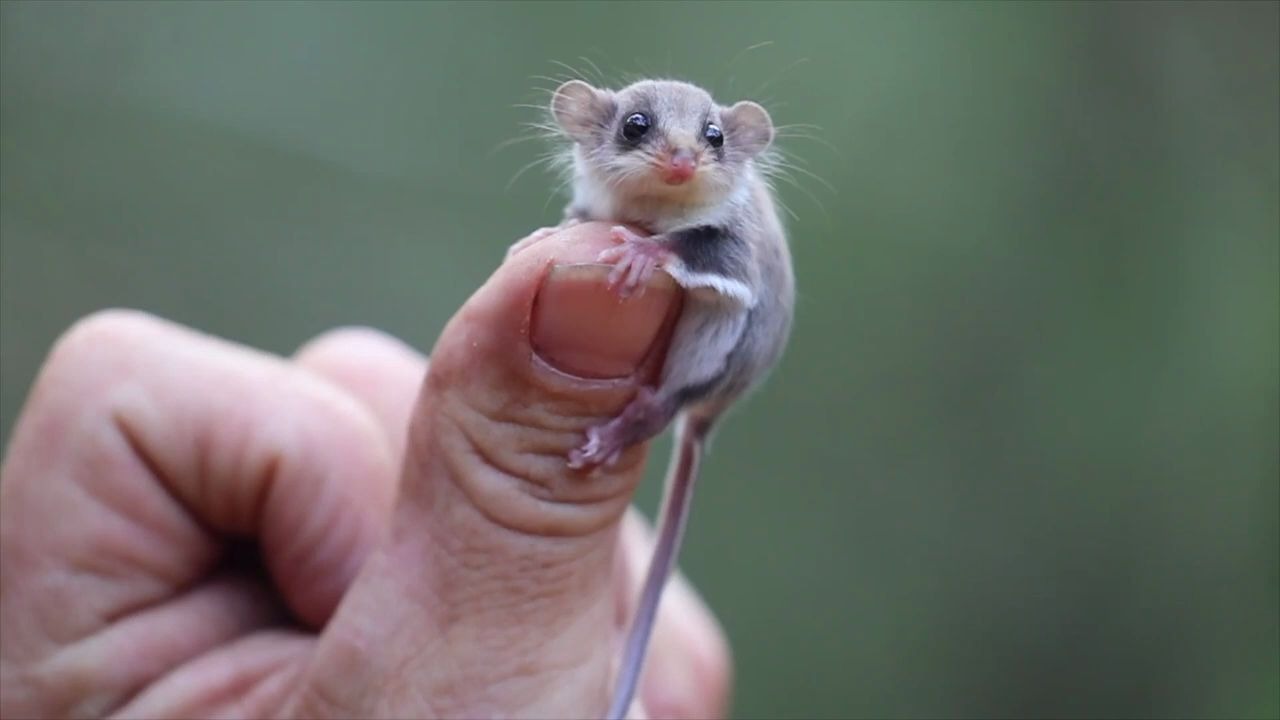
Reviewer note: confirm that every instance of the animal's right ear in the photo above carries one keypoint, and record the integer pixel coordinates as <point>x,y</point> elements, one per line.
<point>580,109</point>
<point>749,127</point>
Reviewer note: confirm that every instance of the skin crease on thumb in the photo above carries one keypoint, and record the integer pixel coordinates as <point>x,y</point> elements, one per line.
<point>494,596</point>
<point>539,354</point>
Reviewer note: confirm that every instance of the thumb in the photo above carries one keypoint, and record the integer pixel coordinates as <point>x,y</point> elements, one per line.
<point>492,596</point>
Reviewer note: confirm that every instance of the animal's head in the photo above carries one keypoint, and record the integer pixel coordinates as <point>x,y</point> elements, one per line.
<point>661,138</point>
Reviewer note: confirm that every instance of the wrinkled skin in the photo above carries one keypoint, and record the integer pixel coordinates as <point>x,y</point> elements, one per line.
<point>189,527</point>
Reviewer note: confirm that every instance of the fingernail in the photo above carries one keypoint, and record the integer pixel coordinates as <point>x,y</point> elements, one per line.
<point>582,327</point>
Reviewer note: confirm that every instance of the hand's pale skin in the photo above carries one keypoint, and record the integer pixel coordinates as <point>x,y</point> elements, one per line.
<point>189,527</point>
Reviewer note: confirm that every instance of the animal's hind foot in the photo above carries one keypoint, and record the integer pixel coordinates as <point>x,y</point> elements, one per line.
<point>644,417</point>
<point>601,448</point>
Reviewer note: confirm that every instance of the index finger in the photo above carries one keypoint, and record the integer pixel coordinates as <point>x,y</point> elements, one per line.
<point>141,447</point>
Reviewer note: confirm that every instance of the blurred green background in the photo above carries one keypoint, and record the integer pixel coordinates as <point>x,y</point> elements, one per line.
<point>1022,456</point>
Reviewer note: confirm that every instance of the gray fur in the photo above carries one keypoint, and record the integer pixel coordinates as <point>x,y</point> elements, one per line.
<point>724,227</point>
<point>733,261</point>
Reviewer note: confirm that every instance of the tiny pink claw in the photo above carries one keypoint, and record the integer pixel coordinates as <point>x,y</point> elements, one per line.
<point>640,288</point>
<point>615,275</point>
<point>639,271</point>
<point>581,456</point>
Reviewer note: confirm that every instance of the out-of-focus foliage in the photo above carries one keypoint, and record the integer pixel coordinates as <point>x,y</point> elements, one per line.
<point>1022,456</point>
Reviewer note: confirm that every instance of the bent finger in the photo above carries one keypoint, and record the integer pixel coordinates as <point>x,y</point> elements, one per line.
<point>377,369</point>
<point>152,435</point>
<point>141,446</point>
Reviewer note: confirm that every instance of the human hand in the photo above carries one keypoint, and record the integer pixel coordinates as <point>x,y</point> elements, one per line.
<point>193,528</point>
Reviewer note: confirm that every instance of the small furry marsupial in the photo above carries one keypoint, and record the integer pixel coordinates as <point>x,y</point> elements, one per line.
<point>661,155</point>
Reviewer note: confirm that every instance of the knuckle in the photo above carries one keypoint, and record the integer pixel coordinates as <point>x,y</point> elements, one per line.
<point>87,361</point>
<point>96,334</point>
<point>82,370</point>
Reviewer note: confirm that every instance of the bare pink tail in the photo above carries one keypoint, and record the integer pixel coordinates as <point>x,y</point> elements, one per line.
<point>683,472</point>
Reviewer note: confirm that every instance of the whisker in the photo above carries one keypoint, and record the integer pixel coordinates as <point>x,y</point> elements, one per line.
<point>802,134</point>
<point>820,140</point>
<point>643,69</point>
<point>809,173</point>
<point>543,91</point>
<point>781,74</point>
<point>556,191</point>
<point>749,48</point>
<point>557,82</point>
<point>617,176</point>
<point>783,156</point>
<point>600,78</point>
<point>804,126</point>
<point>596,51</point>
<point>573,72</point>
<point>790,180</point>
<point>544,129</point>
<point>786,208</point>
<point>548,160</point>
<point>513,141</point>
<point>738,56</point>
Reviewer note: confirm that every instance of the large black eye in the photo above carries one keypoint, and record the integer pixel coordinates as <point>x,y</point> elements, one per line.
<point>635,126</point>
<point>713,135</point>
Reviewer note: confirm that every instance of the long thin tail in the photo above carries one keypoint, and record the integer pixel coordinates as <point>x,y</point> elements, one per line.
<point>677,494</point>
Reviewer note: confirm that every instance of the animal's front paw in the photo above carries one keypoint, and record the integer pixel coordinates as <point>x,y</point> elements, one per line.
<point>635,258</point>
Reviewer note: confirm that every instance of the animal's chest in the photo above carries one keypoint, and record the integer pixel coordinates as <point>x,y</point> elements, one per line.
<point>654,217</point>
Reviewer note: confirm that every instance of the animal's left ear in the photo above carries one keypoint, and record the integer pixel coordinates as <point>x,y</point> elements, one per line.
<point>748,127</point>
<point>580,109</point>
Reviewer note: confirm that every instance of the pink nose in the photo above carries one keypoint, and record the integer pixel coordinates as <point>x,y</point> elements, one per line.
<point>682,166</point>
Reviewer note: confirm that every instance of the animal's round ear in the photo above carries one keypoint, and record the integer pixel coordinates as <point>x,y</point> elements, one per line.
<point>579,109</point>
<point>748,127</point>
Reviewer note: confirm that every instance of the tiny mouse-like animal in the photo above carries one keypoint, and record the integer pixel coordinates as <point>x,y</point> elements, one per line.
<point>663,156</point>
